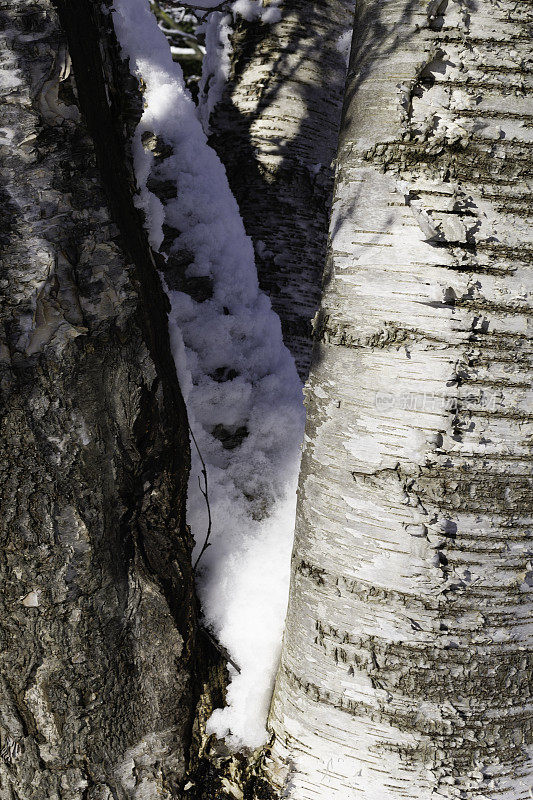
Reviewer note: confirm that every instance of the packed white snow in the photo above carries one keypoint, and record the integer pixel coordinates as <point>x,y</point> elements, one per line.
<point>344,44</point>
<point>240,384</point>
<point>215,64</point>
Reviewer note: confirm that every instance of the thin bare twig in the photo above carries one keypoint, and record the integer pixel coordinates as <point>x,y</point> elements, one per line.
<point>221,649</point>
<point>205,493</point>
<point>206,544</point>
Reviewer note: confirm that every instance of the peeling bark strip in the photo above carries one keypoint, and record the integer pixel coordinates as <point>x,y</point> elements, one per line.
<point>97,605</point>
<point>275,129</point>
<point>406,669</point>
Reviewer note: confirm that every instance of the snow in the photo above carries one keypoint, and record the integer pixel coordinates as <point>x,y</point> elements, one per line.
<point>240,385</point>
<point>255,9</point>
<point>184,51</point>
<point>254,603</point>
<point>344,43</point>
<point>247,9</point>
<point>271,15</point>
<point>215,64</point>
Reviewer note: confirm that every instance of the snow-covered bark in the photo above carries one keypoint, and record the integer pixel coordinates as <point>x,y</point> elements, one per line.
<point>406,665</point>
<point>275,129</point>
<point>243,395</point>
<point>97,610</point>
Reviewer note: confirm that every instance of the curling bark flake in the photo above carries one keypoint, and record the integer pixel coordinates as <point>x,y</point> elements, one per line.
<point>406,667</point>
<point>275,129</point>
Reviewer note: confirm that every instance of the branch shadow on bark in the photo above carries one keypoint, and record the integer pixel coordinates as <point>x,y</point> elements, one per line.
<point>285,209</point>
<point>291,255</point>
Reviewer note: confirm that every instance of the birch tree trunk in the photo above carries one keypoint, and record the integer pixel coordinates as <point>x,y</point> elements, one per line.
<point>97,612</point>
<point>406,667</point>
<point>275,129</point>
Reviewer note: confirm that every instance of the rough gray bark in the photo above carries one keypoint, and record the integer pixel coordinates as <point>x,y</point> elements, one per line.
<point>97,614</point>
<point>406,667</point>
<point>275,129</point>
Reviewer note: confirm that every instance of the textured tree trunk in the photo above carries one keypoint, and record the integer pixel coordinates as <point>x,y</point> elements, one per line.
<point>275,129</point>
<point>97,612</point>
<point>406,667</point>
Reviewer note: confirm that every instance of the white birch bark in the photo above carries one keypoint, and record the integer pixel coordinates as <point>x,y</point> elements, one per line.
<point>406,664</point>
<point>275,129</point>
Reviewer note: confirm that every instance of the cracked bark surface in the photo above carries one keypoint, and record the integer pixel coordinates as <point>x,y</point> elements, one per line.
<point>275,130</point>
<point>97,619</point>
<point>406,666</point>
